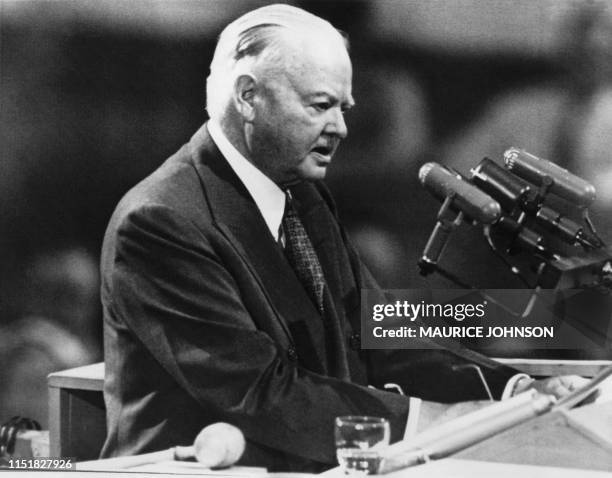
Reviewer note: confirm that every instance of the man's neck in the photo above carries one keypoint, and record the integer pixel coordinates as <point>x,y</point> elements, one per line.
<point>233,130</point>
<point>235,136</point>
<point>268,197</point>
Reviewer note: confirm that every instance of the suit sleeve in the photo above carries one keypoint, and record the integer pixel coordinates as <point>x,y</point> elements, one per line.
<point>171,289</point>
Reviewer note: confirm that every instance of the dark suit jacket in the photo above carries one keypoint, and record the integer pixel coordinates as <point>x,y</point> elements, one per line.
<point>206,321</point>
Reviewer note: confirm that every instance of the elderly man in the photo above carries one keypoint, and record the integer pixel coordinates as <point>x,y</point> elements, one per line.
<point>230,291</point>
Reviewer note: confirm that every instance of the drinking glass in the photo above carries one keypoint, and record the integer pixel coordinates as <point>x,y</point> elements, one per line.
<point>359,440</point>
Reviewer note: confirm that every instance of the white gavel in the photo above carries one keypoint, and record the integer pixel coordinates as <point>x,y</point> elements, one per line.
<point>216,446</point>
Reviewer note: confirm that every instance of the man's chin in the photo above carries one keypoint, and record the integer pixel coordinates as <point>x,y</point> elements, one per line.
<point>314,172</point>
<point>315,177</point>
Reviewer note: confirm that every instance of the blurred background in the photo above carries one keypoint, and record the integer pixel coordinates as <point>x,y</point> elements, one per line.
<point>95,94</point>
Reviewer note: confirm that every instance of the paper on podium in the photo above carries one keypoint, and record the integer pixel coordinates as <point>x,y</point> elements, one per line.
<point>194,468</point>
<point>531,425</point>
<point>163,462</point>
<point>433,414</point>
<point>461,432</point>
<point>578,438</point>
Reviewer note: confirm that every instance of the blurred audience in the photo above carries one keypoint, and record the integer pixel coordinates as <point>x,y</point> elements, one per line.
<point>59,330</point>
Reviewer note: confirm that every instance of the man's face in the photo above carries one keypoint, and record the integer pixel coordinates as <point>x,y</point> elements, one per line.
<point>299,110</point>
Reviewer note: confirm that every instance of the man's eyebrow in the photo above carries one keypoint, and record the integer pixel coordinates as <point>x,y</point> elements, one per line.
<point>316,94</point>
<point>348,103</point>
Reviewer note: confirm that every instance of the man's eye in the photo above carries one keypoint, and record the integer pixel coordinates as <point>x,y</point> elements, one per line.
<point>323,106</point>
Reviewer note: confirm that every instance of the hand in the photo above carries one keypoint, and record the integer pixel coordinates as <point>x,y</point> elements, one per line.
<point>558,386</point>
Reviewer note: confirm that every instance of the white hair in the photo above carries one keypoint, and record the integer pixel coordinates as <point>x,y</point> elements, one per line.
<point>254,39</point>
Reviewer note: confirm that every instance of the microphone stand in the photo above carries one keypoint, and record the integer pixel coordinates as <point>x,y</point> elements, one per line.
<point>438,238</point>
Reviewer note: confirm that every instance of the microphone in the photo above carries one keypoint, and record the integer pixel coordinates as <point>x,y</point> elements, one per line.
<point>456,193</point>
<point>539,171</point>
<point>512,191</point>
<point>466,197</point>
<point>509,190</point>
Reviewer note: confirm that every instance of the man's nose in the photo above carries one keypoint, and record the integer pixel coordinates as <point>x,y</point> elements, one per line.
<point>336,124</point>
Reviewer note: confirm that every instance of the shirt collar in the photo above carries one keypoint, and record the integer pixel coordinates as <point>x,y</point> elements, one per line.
<point>269,198</point>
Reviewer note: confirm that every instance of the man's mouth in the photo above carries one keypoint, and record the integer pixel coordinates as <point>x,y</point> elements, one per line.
<point>324,150</point>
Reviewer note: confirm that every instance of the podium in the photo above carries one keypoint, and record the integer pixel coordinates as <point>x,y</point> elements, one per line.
<point>569,444</point>
<point>77,414</point>
<point>559,444</point>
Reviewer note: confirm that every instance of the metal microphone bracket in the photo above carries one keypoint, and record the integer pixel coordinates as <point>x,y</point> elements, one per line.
<point>439,237</point>
<point>547,183</point>
<point>446,211</point>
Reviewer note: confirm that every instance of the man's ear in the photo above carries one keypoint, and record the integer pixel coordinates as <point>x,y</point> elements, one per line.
<point>244,96</point>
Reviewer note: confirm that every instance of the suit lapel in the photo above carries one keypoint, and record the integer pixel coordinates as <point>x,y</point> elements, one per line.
<point>237,217</point>
<point>318,223</point>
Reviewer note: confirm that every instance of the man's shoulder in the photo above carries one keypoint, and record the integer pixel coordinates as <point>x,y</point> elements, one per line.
<point>177,183</point>
<point>173,186</point>
<point>174,183</point>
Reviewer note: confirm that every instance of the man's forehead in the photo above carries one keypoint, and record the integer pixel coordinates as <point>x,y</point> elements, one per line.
<point>312,65</point>
<point>312,81</point>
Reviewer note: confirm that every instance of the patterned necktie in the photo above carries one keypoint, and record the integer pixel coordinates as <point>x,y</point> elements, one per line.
<point>302,256</point>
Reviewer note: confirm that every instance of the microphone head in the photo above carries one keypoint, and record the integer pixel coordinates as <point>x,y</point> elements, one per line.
<point>563,183</point>
<point>219,445</point>
<point>442,183</point>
